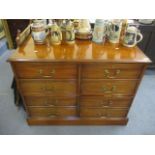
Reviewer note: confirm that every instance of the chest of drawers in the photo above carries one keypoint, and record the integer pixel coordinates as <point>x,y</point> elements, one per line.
<point>81,84</point>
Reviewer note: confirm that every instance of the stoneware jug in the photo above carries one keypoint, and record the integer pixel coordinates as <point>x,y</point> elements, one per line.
<point>84,27</point>
<point>39,31</point>
<point>99,32</point>
<point>114,30</point>
<point>132,37</point>
<point>56,35</point>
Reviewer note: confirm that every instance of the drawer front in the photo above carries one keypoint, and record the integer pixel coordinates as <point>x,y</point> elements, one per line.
<point>101,87</point>
<point>123,71</point>
<point>45,70</point>
<point>51,112</point>
<point>97,101</point>
<point>103,113</point>
<point>49,101</point>
<point>52,87</point>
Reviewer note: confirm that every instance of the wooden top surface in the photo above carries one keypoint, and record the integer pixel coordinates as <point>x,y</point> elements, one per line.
<point>81,51</point>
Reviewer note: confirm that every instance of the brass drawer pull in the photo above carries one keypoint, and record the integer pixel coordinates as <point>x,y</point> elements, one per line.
<point>48,89</point>
<point>47,76</point>
<point>103,115</point>
<point>107,90</point>
<point>107,73</point>
<point>48,104</point>
<point>52,115</point>
<point>110,103</point>
<point>104,104</point>
<point>53,103</point>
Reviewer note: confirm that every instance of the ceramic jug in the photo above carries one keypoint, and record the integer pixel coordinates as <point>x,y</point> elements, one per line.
<point>70,33</point>
<point>132,37</point>
<point>99,32</point>
<point>114,30</point>
<point>56,35</point>
<point>39,31</point>
<point>84,26</point>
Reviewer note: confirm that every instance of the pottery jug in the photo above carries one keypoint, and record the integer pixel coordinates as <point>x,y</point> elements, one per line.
<point>56,35</point>
<point>114,30</point>
<point>132,37</point>
<point>39,31</point>
<point>84,26</point>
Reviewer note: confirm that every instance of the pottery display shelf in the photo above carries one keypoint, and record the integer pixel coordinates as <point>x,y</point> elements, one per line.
<point>80,84</point>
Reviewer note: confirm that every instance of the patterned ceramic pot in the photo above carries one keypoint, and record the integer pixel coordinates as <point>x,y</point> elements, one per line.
<point>38,31</point>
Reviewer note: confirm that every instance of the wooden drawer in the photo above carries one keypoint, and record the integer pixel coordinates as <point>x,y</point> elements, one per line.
<point>111,71</point>
<point>51,112</point>
<point>49,101</point>
<point>52,87</point>
<point>101,87</point>
<point>98,101</point>
<point>103,112</point>
<point>45,70</point>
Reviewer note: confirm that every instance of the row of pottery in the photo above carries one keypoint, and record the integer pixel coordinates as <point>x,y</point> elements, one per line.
<point>116,31</point>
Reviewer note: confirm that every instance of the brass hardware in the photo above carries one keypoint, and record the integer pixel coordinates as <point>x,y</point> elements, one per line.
<point>110,102</point>
<point>106,90</point>
<point>52,89</point>
<point>52,103</point>
<point>52,115</point>
<point>107,73</point>
<point>47,76</point>
<point>104,104</point>
<point>103,116</point>
<point>99,114</point>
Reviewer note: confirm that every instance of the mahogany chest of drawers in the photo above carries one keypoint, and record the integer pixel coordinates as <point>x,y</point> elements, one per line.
<point>80,84</point>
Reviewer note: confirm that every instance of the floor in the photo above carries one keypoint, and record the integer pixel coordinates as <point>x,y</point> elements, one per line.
<point>12,119</point>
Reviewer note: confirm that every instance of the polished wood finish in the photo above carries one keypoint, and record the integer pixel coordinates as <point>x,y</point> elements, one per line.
<point>101,101</point>
<point>111,71</point>
<point>80,84</point>
<point>44,100</point>
<point>77,121</point>
<point>81,51</point>
<point>45,71</point>
<point>103,87</point>
<point>51,112</point>
<point>52,87</point>
<point>103,112</point>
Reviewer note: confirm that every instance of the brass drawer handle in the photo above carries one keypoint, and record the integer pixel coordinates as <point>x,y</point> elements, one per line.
<point>103,115</point>
<point>107,90</point>
<point>47,76</point>
<point>104,104</point>
<point>107,73</point>
<point>110,103</point>
<point>48,104</point>
<point>48,89</point>
<point>53,103</point>
<point>52,115</point>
